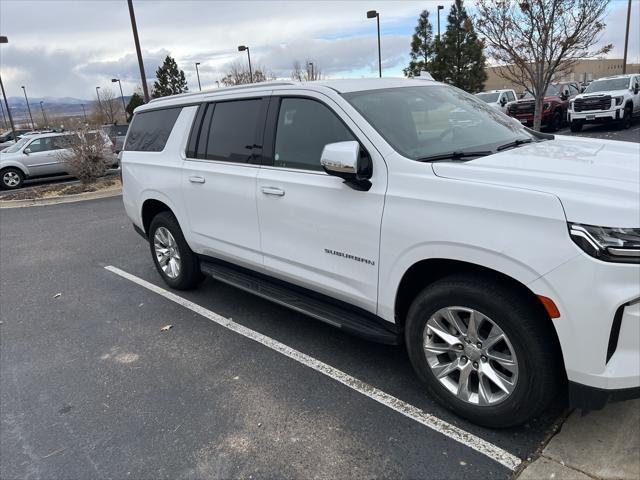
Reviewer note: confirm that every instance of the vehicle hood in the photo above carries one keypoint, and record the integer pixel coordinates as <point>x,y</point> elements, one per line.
<point>597,181</point>
<point>550,98</point>
<point>613,93</point>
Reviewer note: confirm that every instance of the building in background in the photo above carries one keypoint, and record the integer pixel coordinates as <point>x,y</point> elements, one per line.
<point>583,71</point>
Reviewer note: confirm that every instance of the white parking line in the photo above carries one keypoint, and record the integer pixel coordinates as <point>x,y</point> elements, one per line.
<point>468,439</point>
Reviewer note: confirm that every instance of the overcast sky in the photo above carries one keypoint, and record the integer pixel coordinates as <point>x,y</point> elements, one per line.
<point>67,48</point>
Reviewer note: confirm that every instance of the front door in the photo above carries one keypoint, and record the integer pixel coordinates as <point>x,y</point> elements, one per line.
<point>43,157</point>
<point>316,231</point>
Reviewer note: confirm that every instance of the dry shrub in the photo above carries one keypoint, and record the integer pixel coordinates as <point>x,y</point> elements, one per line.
<point>87,154</point>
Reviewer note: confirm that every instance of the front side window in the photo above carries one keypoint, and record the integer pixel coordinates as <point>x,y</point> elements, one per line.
<point>488,97</point>
<point>41,145</point>
<point>229,131</point>
<point>150,130</point>
<point>511,97</point>
<point>425,121</point>
<point>304,128</point>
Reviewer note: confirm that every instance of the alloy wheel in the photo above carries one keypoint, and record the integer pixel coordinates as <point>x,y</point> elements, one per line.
<point>470,355</point>
<point>11,179</point>
<point>167,253</point>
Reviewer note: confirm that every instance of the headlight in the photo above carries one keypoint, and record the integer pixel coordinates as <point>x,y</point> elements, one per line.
<point>618,100</point>
<point>606,243</point>
<point>571,105</point>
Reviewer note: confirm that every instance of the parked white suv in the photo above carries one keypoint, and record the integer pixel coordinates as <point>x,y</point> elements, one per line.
<point>610,99</point>
<point>498,99</point>
<point>504,259</point>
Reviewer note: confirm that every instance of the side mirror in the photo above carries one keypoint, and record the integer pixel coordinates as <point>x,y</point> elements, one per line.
<point>636,89</point>
<point>344,160</point>
<point>503,101</point>
<point>26,151</point>
<point>582,89</point>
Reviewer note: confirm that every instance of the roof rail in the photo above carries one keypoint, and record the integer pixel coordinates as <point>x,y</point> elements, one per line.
<point>224,89</point>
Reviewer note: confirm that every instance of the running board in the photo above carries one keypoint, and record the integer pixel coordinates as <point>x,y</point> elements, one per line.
<point>363,325</point>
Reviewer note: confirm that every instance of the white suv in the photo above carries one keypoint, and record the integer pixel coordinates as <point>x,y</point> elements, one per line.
<point>610,99</point>
<point>498,99</point>
<point>505,260</point>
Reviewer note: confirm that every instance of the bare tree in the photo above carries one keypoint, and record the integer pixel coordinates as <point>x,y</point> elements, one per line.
<point>107,109</point>
<point>238,74</point>
<point>536,41</point>
<point>311,71</point>
<point>86,154</point>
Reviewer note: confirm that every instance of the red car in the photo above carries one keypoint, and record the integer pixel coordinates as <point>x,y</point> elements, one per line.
<point>554,107</point>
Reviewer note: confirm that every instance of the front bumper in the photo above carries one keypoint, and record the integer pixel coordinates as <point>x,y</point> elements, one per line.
<point>591,398</point>
<point>599,324</point>
<point>527,118</point>
<point>597,116</point>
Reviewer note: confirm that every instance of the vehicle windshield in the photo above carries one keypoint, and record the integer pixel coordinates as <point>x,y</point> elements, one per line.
<point>488,97</point>
<point>16,146</point>
<point>552,91</point>
<point>427,121</point>
<point>605,85</point>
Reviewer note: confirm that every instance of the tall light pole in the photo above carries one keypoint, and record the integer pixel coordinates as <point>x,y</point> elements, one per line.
<point>376,15</point>
<point>84,112</point>
<point>124,107</point>
<point>242,48</point>
<point>4,118</point>
<point>198,74</point>
<point>217,84</point>
<point>33,125</point>
<point>626,39</point>
<point>99,102</point>
<point>134,27</point>
<point>440,7</point>
<point>311,65</point>
<point>44,117</point>
<point>4,39</point>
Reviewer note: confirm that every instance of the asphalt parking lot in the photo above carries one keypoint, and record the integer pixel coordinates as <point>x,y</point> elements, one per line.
<point>90,387</point>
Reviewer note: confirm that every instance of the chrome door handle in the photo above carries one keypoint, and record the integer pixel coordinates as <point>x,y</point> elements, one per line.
<point>273,191</point>
<point>196,179</point>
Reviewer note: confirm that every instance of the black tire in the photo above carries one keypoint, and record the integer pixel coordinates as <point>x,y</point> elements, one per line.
<point>556,121</point>
<point>576,126</point>
<point>189,275</point>
<point>11,178</point>
<point>627,119</point>
<point>523,322</point>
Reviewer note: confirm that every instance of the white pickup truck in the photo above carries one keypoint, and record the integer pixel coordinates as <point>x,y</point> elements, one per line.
<point>609,99</point>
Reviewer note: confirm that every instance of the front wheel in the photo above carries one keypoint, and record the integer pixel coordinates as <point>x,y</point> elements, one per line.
<point>576,126</point>
<point>483,349</point>
<point>627,119</point>
<point>11,178</point>
<point>556,121</point>
<point>176,263</point>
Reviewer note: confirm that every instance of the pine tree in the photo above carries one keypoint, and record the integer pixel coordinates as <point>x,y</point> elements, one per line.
<point>135,101</point>
<point>421,47</point>
<point>170,80</point>
<point>459,58</point>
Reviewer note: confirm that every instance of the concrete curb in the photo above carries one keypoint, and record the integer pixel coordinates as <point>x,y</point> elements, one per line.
<point>603,444</point>
<point>78,197</point>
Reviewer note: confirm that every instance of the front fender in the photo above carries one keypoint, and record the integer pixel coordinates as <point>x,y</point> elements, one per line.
<point>13,163</point>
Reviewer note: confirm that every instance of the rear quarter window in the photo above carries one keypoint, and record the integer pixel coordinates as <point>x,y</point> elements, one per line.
<point>150,130</point>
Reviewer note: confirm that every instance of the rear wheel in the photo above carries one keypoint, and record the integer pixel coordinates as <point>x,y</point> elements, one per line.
<point>176,263</point>
<point>483,350</point>
<point>576,126</point>
<point>11,178</point>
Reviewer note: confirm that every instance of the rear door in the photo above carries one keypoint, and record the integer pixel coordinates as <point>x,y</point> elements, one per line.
<point>316,231</point>
<point>219,178</point>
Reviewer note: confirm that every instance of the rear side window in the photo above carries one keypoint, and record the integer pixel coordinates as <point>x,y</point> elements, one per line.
<point>304,128</point>
<point>228,130</point>
<point>150,131</point>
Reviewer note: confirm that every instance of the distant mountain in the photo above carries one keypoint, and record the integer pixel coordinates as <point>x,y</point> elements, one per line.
<point>53,107</point>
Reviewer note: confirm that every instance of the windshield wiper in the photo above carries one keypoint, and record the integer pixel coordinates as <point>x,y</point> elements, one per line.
<point>514,144</point>
<point>455,155</point>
